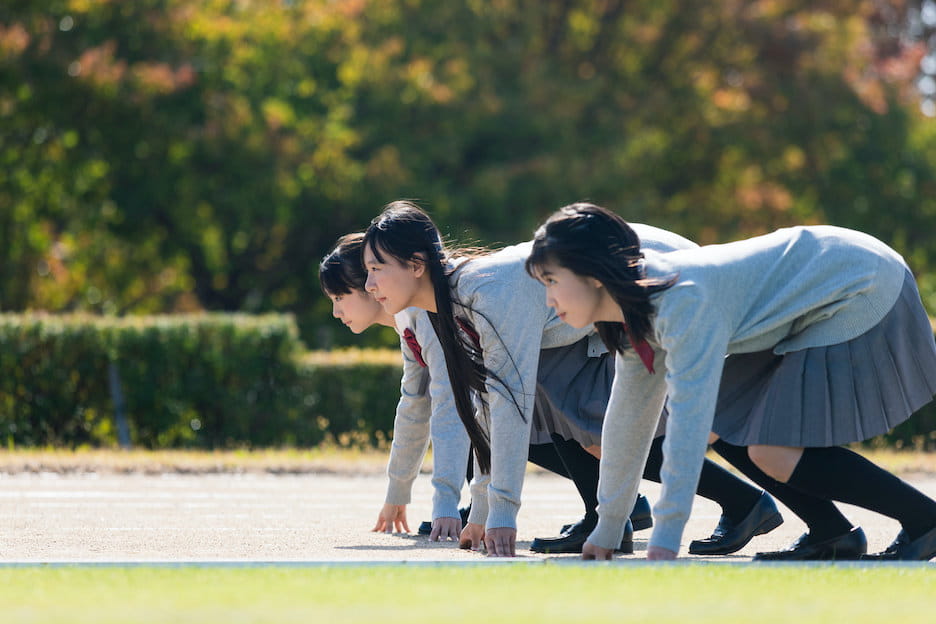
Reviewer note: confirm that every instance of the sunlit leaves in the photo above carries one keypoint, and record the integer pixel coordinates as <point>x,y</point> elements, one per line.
<point>176,154</point>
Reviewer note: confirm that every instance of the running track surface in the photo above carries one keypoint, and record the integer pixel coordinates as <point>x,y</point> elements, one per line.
<point>251,518</point>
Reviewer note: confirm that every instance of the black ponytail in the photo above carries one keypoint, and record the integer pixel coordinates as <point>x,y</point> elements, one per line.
<point>406,233</point>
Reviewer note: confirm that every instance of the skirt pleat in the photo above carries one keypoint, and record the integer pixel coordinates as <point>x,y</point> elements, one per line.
<point>572,393</point>
<point>827,396</point>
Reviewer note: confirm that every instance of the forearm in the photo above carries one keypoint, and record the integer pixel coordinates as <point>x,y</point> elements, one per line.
<point>694,367</point>
<point>479,496</point>
<point>510,442</point>
<point>511,355</point>
<point>450,443</point>
<point>683,454</point>
<point>450,450</point>
<point>408,449</point>
<point>630,423</point>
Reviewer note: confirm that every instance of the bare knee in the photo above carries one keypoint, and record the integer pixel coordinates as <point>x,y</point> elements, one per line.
<point>778,462</point>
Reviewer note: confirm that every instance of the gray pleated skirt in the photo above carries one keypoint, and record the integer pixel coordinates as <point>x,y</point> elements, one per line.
<point>827,396</point>
<point>572,392</point>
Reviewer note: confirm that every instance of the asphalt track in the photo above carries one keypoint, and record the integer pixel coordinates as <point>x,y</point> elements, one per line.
<point>259,518</point>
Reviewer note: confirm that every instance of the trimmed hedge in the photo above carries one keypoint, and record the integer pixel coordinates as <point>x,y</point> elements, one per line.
<point>351,395</point>
<point>205,381</point>
<point>211,381</point>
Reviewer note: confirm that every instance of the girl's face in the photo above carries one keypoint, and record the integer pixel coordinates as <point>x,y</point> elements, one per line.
<point>576,299</point>
<point>393,284</point>
<point>357,309</point>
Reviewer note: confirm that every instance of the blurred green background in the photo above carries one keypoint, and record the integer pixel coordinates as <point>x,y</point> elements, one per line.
<point>162,156</point>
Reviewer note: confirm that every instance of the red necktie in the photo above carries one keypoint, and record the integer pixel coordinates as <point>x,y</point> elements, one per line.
<point>644,350</point>
<point>469,331</point>
<point>413,345</point>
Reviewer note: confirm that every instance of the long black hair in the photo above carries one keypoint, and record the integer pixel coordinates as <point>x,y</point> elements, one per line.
<point>406,233</point>
<point>342,270</point>
<point>594,242</point>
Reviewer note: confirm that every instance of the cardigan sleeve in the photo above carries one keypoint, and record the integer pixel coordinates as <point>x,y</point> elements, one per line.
<point>510,325</point>
<point>450,442</point>
<point>410,430</point>
<point>695,336</point>
<point>479,495</point>
<point>631,419</point>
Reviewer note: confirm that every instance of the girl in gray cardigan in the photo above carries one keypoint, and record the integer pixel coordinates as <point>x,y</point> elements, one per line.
<point>426,410</point>
<point>495,332</point>
<point>831,345</point>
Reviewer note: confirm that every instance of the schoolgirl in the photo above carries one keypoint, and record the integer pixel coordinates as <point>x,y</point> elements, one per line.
<point>495,330</point>
<point>831,345</point>
<point>426,410</point>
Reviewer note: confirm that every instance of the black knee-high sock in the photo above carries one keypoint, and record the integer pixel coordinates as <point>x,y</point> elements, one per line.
<point>583,468</point>
<point>654,461</point>
<point>568,459</point>
<point>736,497</point>
<point>840,474</point>
<point>546,456</point>
<point>822,517</point>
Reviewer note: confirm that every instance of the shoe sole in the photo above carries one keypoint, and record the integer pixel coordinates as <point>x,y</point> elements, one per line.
<point>769,524</point>
<point>626,548</point>
<point>554,551</point>
<point>835,555</point>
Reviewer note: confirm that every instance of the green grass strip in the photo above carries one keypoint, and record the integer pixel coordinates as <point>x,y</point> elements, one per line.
<point>389,594</point>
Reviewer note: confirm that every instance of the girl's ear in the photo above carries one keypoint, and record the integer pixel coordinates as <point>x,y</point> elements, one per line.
<point>595,282</point>
<point>418,264</point>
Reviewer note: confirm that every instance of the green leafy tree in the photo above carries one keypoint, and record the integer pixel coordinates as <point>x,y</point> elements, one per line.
<point>175,155</point>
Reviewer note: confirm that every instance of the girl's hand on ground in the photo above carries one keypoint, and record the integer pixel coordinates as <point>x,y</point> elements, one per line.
<point>590,552</point>
<point>392,518</point>
<point>471,536</point>
<point>655,553</point>
<point>501,542</point>
<point>444,529</point>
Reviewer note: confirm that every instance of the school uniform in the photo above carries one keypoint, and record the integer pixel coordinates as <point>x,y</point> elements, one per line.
<point>829,341</point>
<point>571,394</point>
<point>573,384</point>
<point>514,328</point>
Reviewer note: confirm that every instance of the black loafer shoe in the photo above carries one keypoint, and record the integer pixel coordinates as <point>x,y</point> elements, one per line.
<point>729,537</point>
<point>846,547</point>
<point>627,542</point>
<point>572,540</point>
<point>641,518</point>
<point>891,551</point>
<point>426,527</point>
<point>922,548</point>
